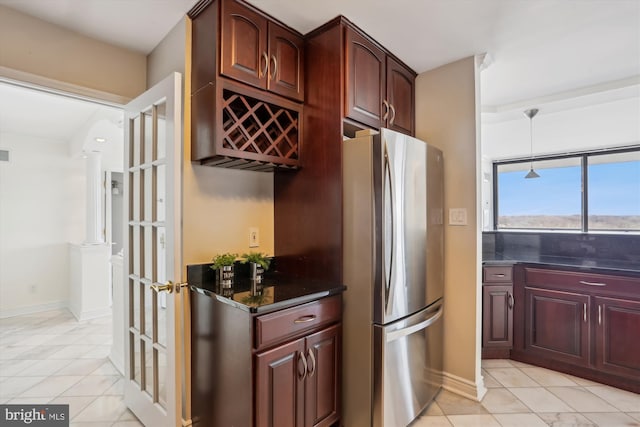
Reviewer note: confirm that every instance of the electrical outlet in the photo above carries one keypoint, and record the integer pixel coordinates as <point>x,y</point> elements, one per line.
<point>254,237</point>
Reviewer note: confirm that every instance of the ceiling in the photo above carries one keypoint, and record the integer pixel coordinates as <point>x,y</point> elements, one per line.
<point>536,48</point>
<point>551,54</point>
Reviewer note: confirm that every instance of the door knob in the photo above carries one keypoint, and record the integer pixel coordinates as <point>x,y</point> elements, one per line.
<point>169,287</point>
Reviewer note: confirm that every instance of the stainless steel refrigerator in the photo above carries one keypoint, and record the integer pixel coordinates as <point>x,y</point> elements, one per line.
<point>393,271</point>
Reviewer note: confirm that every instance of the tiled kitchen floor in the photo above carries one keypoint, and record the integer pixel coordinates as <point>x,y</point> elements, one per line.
<point>51,358</point>
<point>521,395</point>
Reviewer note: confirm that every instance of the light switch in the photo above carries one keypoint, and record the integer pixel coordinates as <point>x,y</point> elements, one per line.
<point>254,237</point>
<point>457,216</point>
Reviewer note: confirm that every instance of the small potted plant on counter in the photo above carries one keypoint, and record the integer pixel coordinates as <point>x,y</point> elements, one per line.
<point>258,264</point>
<point>224,264</point>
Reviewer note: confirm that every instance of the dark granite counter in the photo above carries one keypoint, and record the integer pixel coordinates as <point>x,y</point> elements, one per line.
<point>275,292</point>
<point>595,253</point>
<point>584,264</point>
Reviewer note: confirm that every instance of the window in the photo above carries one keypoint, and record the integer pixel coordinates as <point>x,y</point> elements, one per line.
<point>556,200</point>
<point>614,191</point>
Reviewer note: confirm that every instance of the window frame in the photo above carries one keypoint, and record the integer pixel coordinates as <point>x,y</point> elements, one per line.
<point>584,179</point>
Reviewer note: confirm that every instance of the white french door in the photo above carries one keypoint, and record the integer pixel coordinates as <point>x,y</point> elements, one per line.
<point>152,256</point>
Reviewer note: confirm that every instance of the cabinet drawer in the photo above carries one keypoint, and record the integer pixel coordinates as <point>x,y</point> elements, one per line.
<point>590,283</point>
<point>293,322</point>
<point>497,274</point>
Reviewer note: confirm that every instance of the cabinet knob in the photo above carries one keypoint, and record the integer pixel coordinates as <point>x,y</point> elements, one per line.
<point>302,374</point>
<point>312,365</point>
<point>264,57</point>
<point>275,67</point>
<point>386,109</point>
<point>305,319</point>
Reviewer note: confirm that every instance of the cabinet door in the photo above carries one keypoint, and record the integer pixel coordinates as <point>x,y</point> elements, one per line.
<point>497,316</point>
<point>322,399</point>
<point>243,45</point>
<point>557,325</point>
<point>366,77</point>
<point>618,336</point>
<point>286,62</point>
<point>280,386</point>
<point>400,95</point>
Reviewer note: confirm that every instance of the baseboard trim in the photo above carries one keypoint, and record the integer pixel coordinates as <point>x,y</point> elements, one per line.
<point>92,314</point>
<point>56,305</point>
<point>118,361</point>
<point>464,387</point>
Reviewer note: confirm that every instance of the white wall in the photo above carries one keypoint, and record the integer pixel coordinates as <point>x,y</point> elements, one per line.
<point>42,208</point>
<point>557,130</point>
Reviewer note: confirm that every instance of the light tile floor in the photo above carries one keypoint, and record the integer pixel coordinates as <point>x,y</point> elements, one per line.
<point>521,395</point>
<point>52,358</point>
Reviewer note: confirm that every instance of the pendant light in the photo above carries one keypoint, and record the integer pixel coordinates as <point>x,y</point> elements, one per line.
<point>531,114</point>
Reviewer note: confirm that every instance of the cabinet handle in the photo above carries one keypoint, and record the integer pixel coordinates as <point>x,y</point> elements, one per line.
<point>498,275</point>
<point>264,57</point>
<point>312,365</point>
<point>301,376</point>
<point>584,311</point>
<point>510,300</point>
<point>582,282</point>
<point>305,319</point>
<point>600,315</point>
<point>393,116</point>
<point>275,67</point>
<point>386,111</point>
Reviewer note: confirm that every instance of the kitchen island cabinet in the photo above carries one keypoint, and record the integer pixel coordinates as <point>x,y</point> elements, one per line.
<point>583,323</point>
<point>265,355</point>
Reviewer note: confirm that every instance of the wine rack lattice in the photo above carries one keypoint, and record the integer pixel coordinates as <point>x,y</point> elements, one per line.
<point>260,128</point>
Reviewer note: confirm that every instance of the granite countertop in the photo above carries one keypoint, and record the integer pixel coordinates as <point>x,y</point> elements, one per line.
<point>275,292</point>
<point>586,264</point>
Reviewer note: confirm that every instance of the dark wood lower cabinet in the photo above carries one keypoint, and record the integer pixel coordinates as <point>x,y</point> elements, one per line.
<point>275,369</point>
<point>280,386</point>
<point>297,383</point>
<point>557,325</point>
<point>497,325</point>
<point>584,324</point>
<point>322,397</point>
<point>618,336</point>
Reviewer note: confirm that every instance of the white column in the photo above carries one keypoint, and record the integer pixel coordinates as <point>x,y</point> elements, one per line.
<point>94,198</point>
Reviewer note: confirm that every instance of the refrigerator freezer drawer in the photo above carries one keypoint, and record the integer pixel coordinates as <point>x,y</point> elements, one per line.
<point>407,366</point>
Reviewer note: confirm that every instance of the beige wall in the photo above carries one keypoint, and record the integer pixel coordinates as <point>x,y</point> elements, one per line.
<point>219,205</point>
<point>33,46</point>
<point>169,55</point>
<point>446,117</point>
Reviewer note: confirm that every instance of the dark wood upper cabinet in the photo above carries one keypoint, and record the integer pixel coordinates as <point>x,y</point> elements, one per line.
<point>379,89</point>
<point>243,47</point>
<point>366,72</point>
<point>259,52</point>
<point>286,62</point>
<point>401,97</point>
<point>247,88</point>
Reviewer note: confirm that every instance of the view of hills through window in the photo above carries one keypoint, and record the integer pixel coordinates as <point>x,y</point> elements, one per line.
<point>554,201</point>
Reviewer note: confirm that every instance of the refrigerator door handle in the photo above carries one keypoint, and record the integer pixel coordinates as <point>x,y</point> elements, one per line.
<point>389,242</point>
<point>394,335</point>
